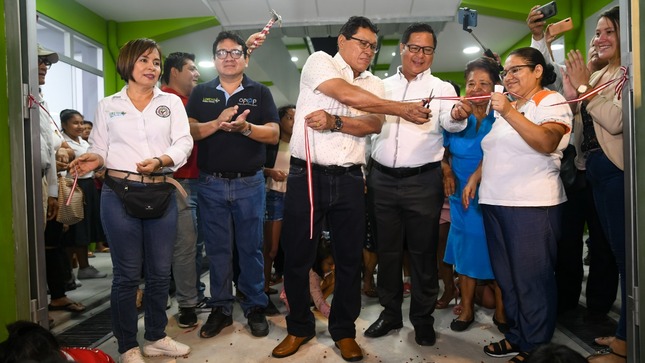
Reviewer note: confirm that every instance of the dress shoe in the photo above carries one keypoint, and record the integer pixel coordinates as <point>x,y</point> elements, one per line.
<point>289,346</point>
<point>381,327</point>
<point>349,350</point>
<point>424,335</point>
<point>216,321</point>
<point>460,325</point>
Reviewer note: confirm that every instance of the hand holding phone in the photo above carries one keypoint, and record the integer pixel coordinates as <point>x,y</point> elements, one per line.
<point>558,28</point>
<point>548,10</point>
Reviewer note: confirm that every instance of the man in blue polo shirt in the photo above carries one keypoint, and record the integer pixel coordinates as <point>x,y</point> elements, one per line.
<point>231,118</point>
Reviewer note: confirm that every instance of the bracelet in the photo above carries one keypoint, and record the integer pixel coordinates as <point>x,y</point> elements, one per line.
<point>160,162</point>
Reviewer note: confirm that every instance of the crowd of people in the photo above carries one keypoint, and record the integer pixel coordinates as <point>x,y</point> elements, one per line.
<point>354,151</point>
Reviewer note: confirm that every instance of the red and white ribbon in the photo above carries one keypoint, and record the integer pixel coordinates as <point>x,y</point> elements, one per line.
<point>620,83</point>
<point>310,184</point>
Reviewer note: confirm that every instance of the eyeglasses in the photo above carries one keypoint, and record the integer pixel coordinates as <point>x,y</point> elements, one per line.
<point>223,53</point>
<point>513,70</point>
<point>415,49</point>
<point>45,61</point>
<point>364,44</point>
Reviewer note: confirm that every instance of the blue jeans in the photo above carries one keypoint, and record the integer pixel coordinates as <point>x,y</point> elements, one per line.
<point>138,244</point>
<point>608,186</point>
<point>232,216</point>
<point>183,264</point>
<point>522,244</point>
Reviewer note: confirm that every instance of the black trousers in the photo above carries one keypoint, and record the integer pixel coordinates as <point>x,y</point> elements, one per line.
<point>340,200</point>
<point>407,208</point>
<point>57,267</point>
<point>602,282</point>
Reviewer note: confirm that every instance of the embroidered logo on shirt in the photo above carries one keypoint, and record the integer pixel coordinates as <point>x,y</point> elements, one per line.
<point>163,111</point>
<point>210,100</point>
<point>116,114</point>
<point>247,102</point>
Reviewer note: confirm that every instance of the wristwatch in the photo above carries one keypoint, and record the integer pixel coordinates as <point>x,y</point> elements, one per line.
<point>247,132</point>
<point>583,88</point>
<point>338,124</point>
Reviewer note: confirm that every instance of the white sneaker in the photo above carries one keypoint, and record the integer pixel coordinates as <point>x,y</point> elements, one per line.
<point>90,272</point>
<point>132,356</point>
<point>166,346</point>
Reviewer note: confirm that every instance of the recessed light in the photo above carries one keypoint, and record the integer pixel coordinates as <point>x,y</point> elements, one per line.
<point>206,64</point>
<point>294,59</point>
<point>471,50</point>
<point>393,54</point>
<point>386,74</point>
<point>557,46</point>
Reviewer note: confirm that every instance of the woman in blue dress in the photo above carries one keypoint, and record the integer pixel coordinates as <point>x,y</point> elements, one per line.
<point>467,248</point>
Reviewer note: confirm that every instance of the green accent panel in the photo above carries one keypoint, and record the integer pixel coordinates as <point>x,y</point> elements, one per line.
<point>7,258</point>
<point>297,46</point>
<point>380,67</point>
<point>75,16</point>
<point>164,29</point>
<point>267,83</point>
<point>389,42</point>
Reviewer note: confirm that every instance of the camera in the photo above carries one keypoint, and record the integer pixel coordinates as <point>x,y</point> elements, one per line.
<point>549,10</point>
<point>467,17</point>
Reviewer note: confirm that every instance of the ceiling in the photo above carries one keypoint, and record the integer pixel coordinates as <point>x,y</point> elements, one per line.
<point>306,19</point>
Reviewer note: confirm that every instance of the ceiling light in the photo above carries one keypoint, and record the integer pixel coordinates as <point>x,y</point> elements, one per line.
<point>294,59</point>
<point>206,64</point>
<point>386,74</point>
<point>393,54</point>
<point>471,50</point>
<point>557,46</point>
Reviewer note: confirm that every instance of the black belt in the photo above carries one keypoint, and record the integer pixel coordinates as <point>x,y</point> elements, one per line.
<point>326,169</point>
<point>231,174</point>
<point>404,172</point>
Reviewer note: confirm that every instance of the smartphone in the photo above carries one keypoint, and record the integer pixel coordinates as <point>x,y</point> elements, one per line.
<point>468,17</point>
<point>549,10</point>
<point>560,27</point>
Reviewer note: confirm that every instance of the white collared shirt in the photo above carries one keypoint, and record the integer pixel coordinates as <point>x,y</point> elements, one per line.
<point>326,147</point>
<point>124,136</point>
<point>80,147</point>
<point>404,144</point>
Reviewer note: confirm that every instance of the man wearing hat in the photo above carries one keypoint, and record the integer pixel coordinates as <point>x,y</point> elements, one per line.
<point>53,151</point>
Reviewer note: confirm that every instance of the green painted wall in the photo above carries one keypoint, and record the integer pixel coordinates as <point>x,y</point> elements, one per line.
<point>7,258</point>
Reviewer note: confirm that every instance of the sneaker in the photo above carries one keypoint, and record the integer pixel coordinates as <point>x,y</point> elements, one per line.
<point>132,356</point>
<point>407,289</point>
<point>215,323</point>
<point>271,309</point>
<point>186,317</point>
<point>167,347</point>
<point>90,272</point>
<point>258,322</point>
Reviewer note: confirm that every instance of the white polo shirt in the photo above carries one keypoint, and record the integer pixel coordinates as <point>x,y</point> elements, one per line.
<point>124,136</point>
<point>516,175</point>
<point>326,147</point>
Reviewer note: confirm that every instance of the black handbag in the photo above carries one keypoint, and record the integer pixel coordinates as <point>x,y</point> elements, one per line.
<point>145,201</point>
<point>568,170</point>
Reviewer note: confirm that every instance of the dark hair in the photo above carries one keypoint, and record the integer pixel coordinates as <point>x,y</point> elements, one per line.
<point>418,28</point>
<point>555,353</point>
<point>130,52</point>
<point>87,122</point>
<point>533,57</point>
<point>232,36</point>
<point>283,110</point>
<point>354,23</point>
<point>486,64</point>
<point>67,114</point>
<point>175,60</point>
<point>29,341</point>
<point>613,15</point>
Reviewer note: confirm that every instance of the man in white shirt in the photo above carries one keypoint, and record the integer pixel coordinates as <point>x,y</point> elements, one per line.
<point>340,103</point>
<point>405,186</point>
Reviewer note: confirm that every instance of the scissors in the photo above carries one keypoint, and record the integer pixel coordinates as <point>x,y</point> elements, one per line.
<point>426,102</point>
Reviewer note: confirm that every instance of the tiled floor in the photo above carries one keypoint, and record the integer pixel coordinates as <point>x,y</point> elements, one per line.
<point>236,344</point>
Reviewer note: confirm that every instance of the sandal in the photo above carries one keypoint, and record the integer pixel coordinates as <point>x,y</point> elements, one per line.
<point>605,352</point>
<point>521,357</point>
<point>72,307</point>
<point>500,349</point>
<point>603,341</point>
